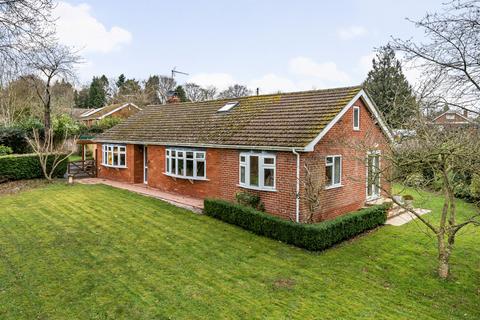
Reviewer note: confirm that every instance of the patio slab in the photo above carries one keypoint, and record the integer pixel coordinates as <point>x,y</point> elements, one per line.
<point>405,217</point>
<point>193,204</point>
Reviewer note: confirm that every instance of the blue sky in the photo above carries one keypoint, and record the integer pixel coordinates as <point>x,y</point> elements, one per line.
<point>274,45</point>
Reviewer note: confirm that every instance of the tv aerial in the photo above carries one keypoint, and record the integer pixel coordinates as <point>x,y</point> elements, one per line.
<point>175,71</point>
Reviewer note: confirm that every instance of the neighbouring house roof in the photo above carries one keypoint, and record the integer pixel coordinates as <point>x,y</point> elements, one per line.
<point>465,119</point>
<point>77,113</point>
<point>100,113</point>
<point>275,121</point>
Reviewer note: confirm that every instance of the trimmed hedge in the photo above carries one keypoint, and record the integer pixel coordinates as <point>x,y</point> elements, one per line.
<point>26,166</point>
<point>312,237</point>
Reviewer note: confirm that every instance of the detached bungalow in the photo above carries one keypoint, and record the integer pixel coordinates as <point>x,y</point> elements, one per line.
<point>275,146</point>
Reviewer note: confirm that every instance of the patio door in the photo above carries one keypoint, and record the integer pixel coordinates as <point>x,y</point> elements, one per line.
<point>373,175</point>
<point>145,164</point>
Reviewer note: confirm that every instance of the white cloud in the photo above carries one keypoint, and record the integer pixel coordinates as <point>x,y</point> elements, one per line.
<point>351,32</point>
<point>271,83</point>
<point>78,28</point>
<point>219,80</point>
<point>303,74</point>
<point>326,71</point>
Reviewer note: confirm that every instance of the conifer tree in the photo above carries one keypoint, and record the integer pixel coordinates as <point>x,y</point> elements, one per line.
<point>389,88</point>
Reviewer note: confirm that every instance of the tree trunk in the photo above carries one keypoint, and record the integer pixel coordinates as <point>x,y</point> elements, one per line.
<point>47,101</point>
<point>443,256</point>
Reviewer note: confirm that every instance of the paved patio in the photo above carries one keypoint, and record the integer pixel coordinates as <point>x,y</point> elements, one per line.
<point>189,203</point>
<point>405,217</point>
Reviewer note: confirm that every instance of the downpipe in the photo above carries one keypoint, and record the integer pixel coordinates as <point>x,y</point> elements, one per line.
<point>297,189</point>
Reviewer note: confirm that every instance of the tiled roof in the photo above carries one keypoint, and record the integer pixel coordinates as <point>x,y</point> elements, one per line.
<point>276,120</point>
<point>76,113</point>
<point>103,111</point>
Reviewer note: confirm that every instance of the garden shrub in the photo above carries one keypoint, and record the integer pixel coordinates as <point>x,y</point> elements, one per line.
<point>250,200</point>
<point>4,150</point>
<point>14,138</point>
<point>312,237</point>
<point>26,166</point>
<point>475,187</point>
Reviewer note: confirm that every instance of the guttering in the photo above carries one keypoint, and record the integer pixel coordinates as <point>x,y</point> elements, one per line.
<point>200,145</point>
<point>297,189</point>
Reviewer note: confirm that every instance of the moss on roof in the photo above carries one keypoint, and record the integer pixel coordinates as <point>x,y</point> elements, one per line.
<point>103,111</point>
<point>275,120</point>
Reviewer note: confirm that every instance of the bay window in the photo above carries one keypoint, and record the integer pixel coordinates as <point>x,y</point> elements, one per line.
<point>114,155</point>
<point>257,171</point>
<point>333,171</point>
<point>185,163</point>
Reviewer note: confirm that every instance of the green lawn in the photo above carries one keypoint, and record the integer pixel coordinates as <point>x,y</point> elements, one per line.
<point>94,252</point>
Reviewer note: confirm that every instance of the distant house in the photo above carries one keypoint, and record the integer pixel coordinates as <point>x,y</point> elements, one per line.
<point>453,119</point>
<point>76,113</point>
<point>119,110</point>
<point>262,145</point>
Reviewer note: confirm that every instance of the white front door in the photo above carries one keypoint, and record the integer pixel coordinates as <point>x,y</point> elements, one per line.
<point>373,175</point>
<point>145,164</point>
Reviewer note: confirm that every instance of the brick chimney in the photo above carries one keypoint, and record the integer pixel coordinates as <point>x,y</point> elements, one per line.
<point>465,113</point>
<point>172,97</point>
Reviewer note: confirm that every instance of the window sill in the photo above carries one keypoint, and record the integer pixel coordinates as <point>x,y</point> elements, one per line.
<point>185,178</point>
<point>357,129</point>
<point>115,167</point>
<point>257,188</point>
<point>334,186</point>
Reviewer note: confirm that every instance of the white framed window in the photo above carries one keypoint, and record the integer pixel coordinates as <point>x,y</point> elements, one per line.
<point>185,163</point>
<point>333,171</point>
<point>114,155</point>
<point>356,118</point>
<point>450,116</point>
<point>257,170</point>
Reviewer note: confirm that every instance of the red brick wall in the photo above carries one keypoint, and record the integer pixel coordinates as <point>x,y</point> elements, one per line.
<point>223,171</point>
<point>223,178</point>
<point>133,173</point>
<point>352,146</point>
<point>443,119</point>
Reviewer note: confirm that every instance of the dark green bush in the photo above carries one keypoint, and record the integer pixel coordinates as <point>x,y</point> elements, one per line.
<point>26,166</point>
<point>250,200</point>
<point>312,237</point>
<point>14,138</point>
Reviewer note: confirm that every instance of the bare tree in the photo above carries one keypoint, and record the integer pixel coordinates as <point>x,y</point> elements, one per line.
<point>17,99</point>
<point>235,91</point>
<point>195,92</point>
<point>51,153</point>
<point>209,92</point>
<point>50,62</point>
<point>165,85</point>
<point>449,56</point>
<point>23,25</point>
<point>313,187</point>
<point>442,155</point>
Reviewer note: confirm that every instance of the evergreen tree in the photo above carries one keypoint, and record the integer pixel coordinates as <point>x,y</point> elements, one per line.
<point>121,81</point>
<point>152,87</point>
<point>97,95</point>
<point>130,87</point>
<point>389,88</point>
<point>81,98</point>
<point>181,94</point>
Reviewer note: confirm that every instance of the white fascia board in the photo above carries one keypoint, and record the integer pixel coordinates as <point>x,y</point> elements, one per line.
<point>90,112</point>
<point>118,109</point>
<point>370,105</point>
